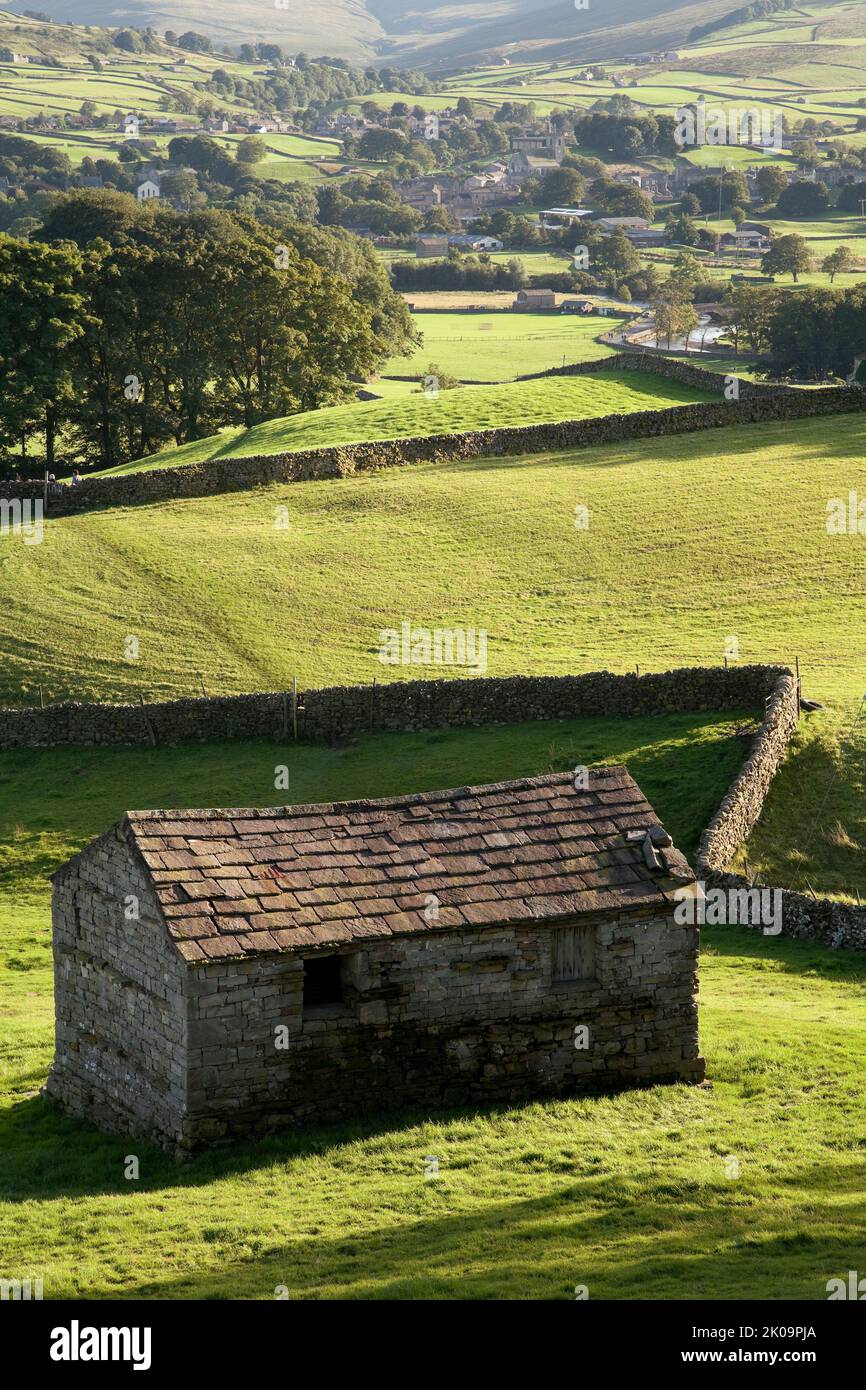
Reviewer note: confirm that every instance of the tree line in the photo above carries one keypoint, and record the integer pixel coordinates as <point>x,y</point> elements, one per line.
<point>123,329</point>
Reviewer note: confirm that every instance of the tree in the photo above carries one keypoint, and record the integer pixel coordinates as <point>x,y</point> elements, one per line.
<point>738,217</point>
<point>181,184</point>
<point>751,310</point>
<point>616,257</point>
<point>730,187</point>
<point>221,320</point>
<point>380,144</point>
<point>621,199</point>
<point>771,182</point>
<point>817,333</point>
<point>789,255</point>
<point>689,205</point>
<point>42,314</point>
<point>250,150</point>
<point>673,318</point>
<point>195,43</point>
<point>803,199</point>
<point>684,276</point>
<point>682,229</point>
<point>838,262</point>
<point>439,219</point>
<point>128,40</point>
<point>852,197</point>
<point>562,188</point>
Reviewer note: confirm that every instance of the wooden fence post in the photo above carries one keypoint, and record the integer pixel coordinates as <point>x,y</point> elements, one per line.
<point>150,729</point>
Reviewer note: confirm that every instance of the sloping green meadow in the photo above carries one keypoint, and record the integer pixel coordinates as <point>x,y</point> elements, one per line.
<point>430,410</point>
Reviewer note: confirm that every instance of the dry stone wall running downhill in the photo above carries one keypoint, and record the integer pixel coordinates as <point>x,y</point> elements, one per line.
<point>807,917</point>
<point>224,475</point>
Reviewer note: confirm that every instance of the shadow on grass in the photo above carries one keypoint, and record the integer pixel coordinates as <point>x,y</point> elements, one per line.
<point>790,956</point>
<point>812,831</point>
<point>680,1235</point>
<point>702,1241</point>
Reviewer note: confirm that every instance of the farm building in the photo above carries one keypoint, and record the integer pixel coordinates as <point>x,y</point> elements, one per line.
<point>427,247</point>
<point>222,973</point>
<point>535,299</point>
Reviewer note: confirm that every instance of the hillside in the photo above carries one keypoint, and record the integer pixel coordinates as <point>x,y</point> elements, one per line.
<point>420,414</point>
<point>427,34</point>
<point>691,545</point>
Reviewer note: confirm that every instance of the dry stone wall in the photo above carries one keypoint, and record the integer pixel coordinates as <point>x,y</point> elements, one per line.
<point>339,712</point>
<point>224,475</point>
<point>804,916</point>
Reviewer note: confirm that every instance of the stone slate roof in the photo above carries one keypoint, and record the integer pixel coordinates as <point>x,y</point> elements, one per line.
<point>240,882</point>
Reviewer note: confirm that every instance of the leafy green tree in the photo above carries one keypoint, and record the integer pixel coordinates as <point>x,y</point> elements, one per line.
<point>852,197</point>
<point>128,40</point>
<point>751,308</point>
<point>563,188</point>
<point>771,182</point>
<point>673,318</point>
<point>251,150</point>
<point>803,199</point>
<point>380,144</point>
<point>731,187</point>
<point>789,255</point>
<point>682,229</point>
<point>42,315</point>
<point>195,43</point>
<point>838,262</point>
<point>616,258</point>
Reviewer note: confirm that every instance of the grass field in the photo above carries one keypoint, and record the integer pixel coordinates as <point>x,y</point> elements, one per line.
<point>501,346</point>
<point>630,1195</point>
<point>722,533</point>
<point>696,546</point>
<point>464,408</point>
<point>692,542</point>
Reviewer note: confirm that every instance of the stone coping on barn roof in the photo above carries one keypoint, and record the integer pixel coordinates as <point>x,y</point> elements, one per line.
<point>235,883</point>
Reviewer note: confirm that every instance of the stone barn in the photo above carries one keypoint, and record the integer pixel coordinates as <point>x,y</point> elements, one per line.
<point>223,973</point>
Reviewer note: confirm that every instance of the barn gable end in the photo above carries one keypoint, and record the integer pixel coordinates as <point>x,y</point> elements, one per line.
<point>120,1030</point>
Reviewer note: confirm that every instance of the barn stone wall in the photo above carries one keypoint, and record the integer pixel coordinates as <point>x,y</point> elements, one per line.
<point>120,1019</point>
<point>450,1019</point>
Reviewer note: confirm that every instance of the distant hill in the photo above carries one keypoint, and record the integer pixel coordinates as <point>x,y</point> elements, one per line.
<point>426,32</point>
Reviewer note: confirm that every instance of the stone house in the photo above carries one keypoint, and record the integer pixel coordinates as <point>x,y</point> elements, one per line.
<point>522,166</point>
<point>431,247</point>
<point>220,974</point>
<point>546,144</point>
<point>533,300</point>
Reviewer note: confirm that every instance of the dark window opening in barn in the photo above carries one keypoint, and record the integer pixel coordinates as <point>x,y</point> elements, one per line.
<point>573,950</point>
<point>323,981</point>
